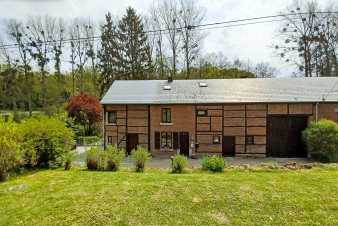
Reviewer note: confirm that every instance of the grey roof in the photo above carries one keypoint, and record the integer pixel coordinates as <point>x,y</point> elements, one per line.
<point>272,90</point>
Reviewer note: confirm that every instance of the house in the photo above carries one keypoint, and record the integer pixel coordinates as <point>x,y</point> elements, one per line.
<point>232,117</point>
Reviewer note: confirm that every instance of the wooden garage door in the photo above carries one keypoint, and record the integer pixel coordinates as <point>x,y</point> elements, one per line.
<point>285,136</point>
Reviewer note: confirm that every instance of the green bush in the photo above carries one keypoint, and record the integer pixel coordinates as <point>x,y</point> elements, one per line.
<point>10,154</point>
<point>114,158</point>
<point>213,163</point>
<point>140,157</point>
<point>321,139</point>
<point>179,162</point>
<point>45,141</point>
<point>94,159</point>
<point>68,158</point>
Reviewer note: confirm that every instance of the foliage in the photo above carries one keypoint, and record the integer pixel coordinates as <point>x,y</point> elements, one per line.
<point>92,159</point>
<point>10,153</point>
<point>179,162</point>
<point>135,56</point>
<point>68,158</point>
<point>97,159</point>
<point>213,163</point>
<point>86,110</point>
<point>114,158</point>
<point>107,55</point>
<point>45,140</point>
<point>140,157</point>
<point>322,140</point>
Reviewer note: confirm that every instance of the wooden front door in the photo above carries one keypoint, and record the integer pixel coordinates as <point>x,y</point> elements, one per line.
<point>132,142</point>
<point>228,146</point>
<point>184,143</point>
<point>285,136</point>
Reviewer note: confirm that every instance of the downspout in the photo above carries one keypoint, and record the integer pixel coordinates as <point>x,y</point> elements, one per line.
<point>104,127</point>
<point>316,113</point>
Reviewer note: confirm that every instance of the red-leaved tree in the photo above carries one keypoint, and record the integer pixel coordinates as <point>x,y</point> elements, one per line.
<point>86,110</point>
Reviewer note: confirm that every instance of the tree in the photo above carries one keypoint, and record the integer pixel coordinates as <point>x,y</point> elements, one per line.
<point>189,16</point>
<point>168,11</point>
<point>264,70</point>
<point>10,154</point>
<point>86,110</point>
<point>309,39</point>
<point>16,33</point>
<point>134,58</point>
<point>80,48</point>
<point>158,48</point>
<point>39,32</point>
<point>108,55</point>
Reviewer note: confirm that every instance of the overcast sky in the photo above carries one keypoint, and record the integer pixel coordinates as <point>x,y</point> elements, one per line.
<point>251,42</point>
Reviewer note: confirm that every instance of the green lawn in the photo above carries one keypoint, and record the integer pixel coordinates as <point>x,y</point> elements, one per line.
<point>80,197</point>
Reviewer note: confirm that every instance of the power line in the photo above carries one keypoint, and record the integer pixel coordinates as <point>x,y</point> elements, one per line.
<point>192,27</point>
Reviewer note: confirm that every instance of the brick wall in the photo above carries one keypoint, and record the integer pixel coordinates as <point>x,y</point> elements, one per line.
<point>183,120</point>
<point>238,120</point>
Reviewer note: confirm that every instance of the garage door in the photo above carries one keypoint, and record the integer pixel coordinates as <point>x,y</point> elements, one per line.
<point>285,136</point>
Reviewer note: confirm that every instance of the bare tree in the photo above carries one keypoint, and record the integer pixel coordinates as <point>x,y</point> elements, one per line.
<point>264,70</point>
<point>89,32</point>
<point>156,40</point>
<point>305,37</point>
<point>168,13</point>
<point>58,45</point>
<point>80,47</point>
<point>40,32</point>
<point>189,16</point>
<point>15,30</point>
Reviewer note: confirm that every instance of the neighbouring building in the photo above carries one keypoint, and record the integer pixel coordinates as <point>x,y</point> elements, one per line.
<point>230,117</point>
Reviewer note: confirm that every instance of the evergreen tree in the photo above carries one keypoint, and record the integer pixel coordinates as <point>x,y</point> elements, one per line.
<point>135,55</point>
<point>108,55</point>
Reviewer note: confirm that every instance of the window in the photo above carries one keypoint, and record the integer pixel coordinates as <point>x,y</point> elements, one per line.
<point>216,139</point>
<point>202,112</point>
<point>110,140</point>
<point>166,140</point>
<point>249,140</point>
<point>111,117</point>
<point>166,115</point>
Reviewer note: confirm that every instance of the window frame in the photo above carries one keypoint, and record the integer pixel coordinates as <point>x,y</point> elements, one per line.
<point>108,117</point>
<point>205,112</point>
<point>166,140</point>
<point>249,140</point>
<point>109,140</point>
<point>218,137</point>
<point>166,115</point>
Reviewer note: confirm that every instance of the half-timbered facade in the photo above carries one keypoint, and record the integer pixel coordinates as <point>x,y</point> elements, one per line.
<point>230,117</point>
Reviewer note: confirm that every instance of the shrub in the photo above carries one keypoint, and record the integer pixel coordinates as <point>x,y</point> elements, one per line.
<point>92,158</point>
<point>213,163</point>
<point>114,158</point>
<point>321,139</point>
<point>46,140</point>
<point>140,157</point>
<point>10,154</point>
<point>68,158</point>
<point>179,162</point>
<point>97,159</point>
<point>86,110</point>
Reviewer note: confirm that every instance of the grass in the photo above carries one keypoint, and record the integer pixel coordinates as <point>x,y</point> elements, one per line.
<point>235,197</point>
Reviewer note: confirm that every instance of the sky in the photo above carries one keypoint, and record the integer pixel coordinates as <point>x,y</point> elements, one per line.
<point>249,43</point>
